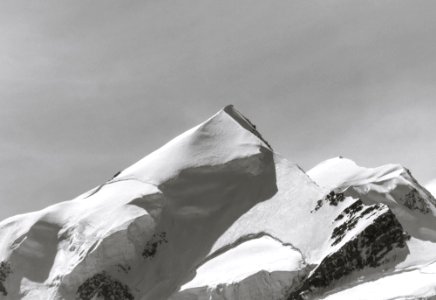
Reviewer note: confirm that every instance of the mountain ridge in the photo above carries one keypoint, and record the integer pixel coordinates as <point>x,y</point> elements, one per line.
<point>174,224</point>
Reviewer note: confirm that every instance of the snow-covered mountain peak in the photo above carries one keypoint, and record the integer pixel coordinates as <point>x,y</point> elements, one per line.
<point>339,171</point>
<point>391,184</point>
<point>392,181</point>
<point>224,137</point>
<point>141,234</point>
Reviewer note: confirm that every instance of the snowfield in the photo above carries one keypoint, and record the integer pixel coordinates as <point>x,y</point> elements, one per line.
<point>410,284</point>
<point>216,214</point>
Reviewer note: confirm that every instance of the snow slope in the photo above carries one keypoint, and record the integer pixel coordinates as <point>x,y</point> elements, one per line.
<point>269,254</point>
<point>411,284</point>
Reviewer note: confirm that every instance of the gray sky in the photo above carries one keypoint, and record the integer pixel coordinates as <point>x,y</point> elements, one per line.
<point>89,87</point>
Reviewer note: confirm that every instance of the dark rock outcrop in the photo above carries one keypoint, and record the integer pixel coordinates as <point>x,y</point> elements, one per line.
<point>156,240</point>
<point>103,286</point>
<point>5,270</point>
<point>332,198</point>
<point>368,249</point>
<point>413,201</point>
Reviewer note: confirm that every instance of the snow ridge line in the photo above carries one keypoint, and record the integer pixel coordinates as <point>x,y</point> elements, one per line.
<point>97,189</point>
<point>245,123</point>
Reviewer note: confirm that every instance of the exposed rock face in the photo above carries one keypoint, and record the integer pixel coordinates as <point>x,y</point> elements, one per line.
<point>152,245</point>
<point>369,248</point>
<point>350,218</point>
<point>5,270</point>
<point>413,200</point>
<point>103,286</point>
<point>332,198</point>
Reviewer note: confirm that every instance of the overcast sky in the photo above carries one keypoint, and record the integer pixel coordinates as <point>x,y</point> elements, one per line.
<point>89,87</point>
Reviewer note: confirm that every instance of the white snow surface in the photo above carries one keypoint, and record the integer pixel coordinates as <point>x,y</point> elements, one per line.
<point>431,187</point>
<point>260,254</point>
<point>341,172</point>
<point>411,284</point>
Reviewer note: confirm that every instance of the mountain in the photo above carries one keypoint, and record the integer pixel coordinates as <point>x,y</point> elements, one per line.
<point>217,214</point>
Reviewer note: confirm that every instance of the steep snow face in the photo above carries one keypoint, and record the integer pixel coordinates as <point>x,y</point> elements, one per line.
<point>278,220</point>
<point>286,214</point>
<point>140,235</point>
